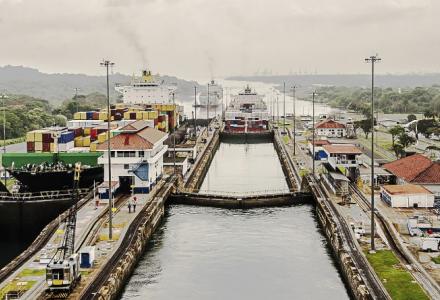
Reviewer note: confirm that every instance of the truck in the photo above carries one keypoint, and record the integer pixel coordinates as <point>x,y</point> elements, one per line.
<point>430,244</point>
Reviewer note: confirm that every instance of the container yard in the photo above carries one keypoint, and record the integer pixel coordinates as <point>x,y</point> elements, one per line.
<point>89,129</point>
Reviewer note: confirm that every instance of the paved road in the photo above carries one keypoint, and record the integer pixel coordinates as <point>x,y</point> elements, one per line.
<point>20,147</point>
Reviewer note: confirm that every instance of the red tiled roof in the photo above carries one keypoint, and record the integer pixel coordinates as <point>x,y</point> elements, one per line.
<point>126,141</point>
<point>342,149</point>
<point>409,167</point>
<point>144,139</point>
<point>430,175</point>
<point>329,124</point>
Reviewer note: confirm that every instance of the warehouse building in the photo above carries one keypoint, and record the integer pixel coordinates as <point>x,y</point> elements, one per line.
<point>407,195</point>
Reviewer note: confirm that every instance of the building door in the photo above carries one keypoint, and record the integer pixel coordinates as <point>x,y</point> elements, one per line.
<point>125,183</point>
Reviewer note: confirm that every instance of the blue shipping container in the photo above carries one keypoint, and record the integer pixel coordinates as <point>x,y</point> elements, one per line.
<point>89,115</point>
<point>66,137</point>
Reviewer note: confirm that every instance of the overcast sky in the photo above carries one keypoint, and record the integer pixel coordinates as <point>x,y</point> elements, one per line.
<point>200,38</point>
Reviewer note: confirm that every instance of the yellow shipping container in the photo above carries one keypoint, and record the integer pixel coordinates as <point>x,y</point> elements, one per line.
<point>145,115</point>
<point>79,141</point>
<point>93,146</point>
<point>138,115</point>
<point>83,115</point>
<point>39,136</point>
<point>152,115</point>
<point>86,141</point>
<point>102,137</point>
<point>30,136</point>
<point>87,130</point>
<point>52,147</point>
<point>38,146</point>
<point>127,115</point>
<point>77,116</point>
<point>103,116</point>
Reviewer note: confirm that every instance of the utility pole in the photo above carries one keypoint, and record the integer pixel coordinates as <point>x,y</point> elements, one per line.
<point>278,112</point>
<point>4,131</point>
<point>107,64</point>
<point>294,118</point>
<point>174,140</point>
<point>284,106</point>
<point>207,108</point>
<point>313,136</point>
<point>372,59</point>
<point>195,111</point>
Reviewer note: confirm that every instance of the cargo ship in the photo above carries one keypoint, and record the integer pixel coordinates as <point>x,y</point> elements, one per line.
<point>213,96</point>
<point>146,90</point>
<point>246,113</point>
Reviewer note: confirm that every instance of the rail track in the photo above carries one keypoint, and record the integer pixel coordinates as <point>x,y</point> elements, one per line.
<point>92,289</point>
<point>376,288</point>
<point>429,284</point>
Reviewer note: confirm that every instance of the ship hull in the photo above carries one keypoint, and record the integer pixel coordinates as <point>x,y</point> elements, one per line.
<point>57,180</point>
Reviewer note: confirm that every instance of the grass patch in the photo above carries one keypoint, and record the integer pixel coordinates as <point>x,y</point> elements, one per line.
<point>398,281</point>
<point>32,272</point>
<point>285,139</point>
<point>436,259</point>
<point>16,286</point>
<point>13,141</point>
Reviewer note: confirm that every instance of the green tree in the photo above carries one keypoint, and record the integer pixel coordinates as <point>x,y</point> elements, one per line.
<point>365,125</point>
<point>411,117</point>
<point>406,140</point>
<point>424,125</point>
<point>395,131</point>
<point>398,149</point>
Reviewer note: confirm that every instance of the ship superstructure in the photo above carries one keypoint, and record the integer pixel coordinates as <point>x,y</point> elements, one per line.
<point>215,92</point>
<point>146,90</point>
<point>247,112</point>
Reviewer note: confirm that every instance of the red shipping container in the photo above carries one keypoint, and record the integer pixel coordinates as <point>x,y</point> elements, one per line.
<point>132,116</point>
<point>46,137</point>
<point>95,115</point>
<point>30,146</point>
<point>101,130</point>
<point>156,121</point>
<point>93,133</point>
<point>46,147</point>
<point>112,112</point>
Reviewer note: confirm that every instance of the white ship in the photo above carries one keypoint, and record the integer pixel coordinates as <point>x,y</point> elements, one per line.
<point>146,90</point>
<point>247,112</point>
<point>215,92</point>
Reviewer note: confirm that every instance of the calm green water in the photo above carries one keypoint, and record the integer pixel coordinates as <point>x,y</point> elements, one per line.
<point>211,253</point>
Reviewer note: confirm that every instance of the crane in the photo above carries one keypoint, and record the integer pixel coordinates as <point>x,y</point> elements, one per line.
<point>62,272</point>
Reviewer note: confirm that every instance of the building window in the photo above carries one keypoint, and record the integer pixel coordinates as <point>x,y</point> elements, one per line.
<point>126,166</point>
<point>120,154</point>
<point>112,154</point>
<point>141,153</point>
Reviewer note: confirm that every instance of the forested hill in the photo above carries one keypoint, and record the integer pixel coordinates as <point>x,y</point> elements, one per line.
<point>58,87</point>
<point>349,80</point>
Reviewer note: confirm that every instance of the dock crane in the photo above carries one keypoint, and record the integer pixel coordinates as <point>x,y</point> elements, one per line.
<point>62,272</point>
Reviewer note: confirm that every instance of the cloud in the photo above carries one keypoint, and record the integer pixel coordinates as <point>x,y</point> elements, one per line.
<point>198,38</point>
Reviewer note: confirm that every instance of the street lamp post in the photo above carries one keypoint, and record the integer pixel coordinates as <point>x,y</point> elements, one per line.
<point>207,107</point>
<point>372,59</point>
<point>313,135</point>
<point>107,64</point>
<point>284,106</point>
<point>195,111</point>
<point>294,118</point>
<point>4,131</point>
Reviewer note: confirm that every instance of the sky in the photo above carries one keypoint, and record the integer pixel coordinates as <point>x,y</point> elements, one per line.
<point>196,39</point>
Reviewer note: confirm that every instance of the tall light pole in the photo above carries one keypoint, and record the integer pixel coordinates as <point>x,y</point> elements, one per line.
<point>284,106</point>
<point>195,111</point>
<point>294,118</point>
<point>207,108</point>
<point>313,136</point>
<point>372,59</point>
<point>107,64</point>
<point>4,131</point>
<point>174,139</point>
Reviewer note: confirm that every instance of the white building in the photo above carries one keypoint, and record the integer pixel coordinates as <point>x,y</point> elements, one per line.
<point>330,128</point>
<point>136,157</point>
<point>343,155</point>
<point>407,195</point>
<point>146,90</point>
